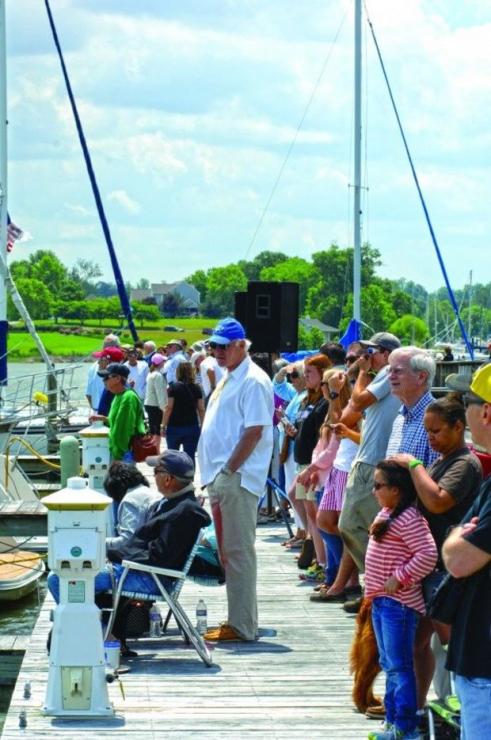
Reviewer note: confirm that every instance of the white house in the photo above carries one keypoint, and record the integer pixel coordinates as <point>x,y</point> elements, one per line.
<point>158,291</point>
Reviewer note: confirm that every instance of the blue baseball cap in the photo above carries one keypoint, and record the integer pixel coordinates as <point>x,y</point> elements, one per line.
<point>175,462</point>
<point>228,330</point>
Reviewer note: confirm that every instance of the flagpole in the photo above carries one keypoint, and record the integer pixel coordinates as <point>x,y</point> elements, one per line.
<point>3,197</point>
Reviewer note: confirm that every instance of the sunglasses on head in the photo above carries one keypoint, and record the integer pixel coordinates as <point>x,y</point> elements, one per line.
<point>292,376</point>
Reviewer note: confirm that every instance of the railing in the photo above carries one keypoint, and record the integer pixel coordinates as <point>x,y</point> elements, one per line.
<point>40,396</point>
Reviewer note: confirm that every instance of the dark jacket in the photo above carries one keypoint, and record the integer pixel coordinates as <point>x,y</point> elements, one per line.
<point>168,535</point>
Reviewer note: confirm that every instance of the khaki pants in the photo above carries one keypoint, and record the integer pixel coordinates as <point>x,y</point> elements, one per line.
<point>360,508</point>
<point>234,512</point>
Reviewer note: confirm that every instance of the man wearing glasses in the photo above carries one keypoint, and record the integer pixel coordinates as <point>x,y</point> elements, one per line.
<point>234,453</point>
<point>467,554</point>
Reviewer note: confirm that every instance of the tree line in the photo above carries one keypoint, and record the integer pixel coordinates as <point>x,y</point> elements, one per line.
<point>50,289</point>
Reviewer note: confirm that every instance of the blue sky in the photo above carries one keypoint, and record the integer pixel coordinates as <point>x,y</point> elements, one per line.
<point>190,108</point>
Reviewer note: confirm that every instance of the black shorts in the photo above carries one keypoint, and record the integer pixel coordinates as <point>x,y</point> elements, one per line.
<point>154,414</point>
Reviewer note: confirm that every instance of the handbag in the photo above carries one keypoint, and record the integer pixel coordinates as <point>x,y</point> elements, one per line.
<point>143,446</point>
<point>444,604</point>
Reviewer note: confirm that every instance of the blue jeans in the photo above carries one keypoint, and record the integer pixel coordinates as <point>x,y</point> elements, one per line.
<point>475,699</point>
<point>394,625</point>
<point>186,436</point>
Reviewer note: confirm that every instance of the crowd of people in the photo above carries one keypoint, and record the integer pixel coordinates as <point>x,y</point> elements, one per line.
<point>381,481</point>
<point>382,474</point>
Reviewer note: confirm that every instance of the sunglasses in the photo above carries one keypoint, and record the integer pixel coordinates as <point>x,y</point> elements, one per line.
<point>292,376</point>
<point>377,486</point>
<point>214,345</point>
<point>351,358</point>
<point>324,382</point>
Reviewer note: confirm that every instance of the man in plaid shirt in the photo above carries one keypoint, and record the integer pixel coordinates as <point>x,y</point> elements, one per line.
<point>411,373</point>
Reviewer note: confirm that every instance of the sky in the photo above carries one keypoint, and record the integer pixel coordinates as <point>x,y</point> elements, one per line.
<point>222,128</point>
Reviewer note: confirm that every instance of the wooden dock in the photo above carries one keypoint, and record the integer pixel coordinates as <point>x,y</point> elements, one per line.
<point>294,682</point>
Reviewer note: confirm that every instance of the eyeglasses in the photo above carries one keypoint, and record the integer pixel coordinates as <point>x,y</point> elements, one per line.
<point>470,400</point>
<point>160,470</point>
<point>377,486</point>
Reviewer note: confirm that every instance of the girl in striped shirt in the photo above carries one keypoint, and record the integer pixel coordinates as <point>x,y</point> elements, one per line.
<point>401,552</point>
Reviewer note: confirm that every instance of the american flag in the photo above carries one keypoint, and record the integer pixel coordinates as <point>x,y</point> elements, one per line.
<point>14,233</point>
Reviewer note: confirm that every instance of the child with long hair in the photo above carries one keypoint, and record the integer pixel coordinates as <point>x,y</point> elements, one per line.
<point>401,552</point>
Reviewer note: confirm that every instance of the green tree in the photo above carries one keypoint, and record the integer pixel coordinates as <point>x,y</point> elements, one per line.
<point>144,312</point>
<point>410,330</point>
<point>36,296</point>
<point>143,284</point>
<point>85,272</point>
<point>377,311</point>
<point>310,338</point>
<point>252,270</point>
<point>295,270</point>
<point>200,281</point>
<point>223,282</point>
<point>48,269</point>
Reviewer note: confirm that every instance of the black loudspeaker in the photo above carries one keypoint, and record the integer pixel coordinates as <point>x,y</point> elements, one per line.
<point>240,311</point>
<point>271,315</point>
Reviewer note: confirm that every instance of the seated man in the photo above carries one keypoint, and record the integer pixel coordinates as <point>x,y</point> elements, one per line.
<point>170,531</point>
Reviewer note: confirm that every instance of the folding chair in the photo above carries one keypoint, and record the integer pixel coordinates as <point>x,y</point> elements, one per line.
<point>163,593</point>
<point>447,710</point>
<point>278,494</point>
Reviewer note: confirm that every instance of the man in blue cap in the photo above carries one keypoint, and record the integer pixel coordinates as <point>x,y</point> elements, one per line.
<point>234,454</point>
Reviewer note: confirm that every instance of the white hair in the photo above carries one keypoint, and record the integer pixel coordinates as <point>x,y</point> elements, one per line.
<point>420,360</point>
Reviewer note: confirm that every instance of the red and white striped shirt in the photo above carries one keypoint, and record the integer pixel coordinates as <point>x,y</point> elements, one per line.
<point>407,551</point>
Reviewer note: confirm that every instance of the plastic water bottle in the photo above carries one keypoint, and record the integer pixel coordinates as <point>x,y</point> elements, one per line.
<point>155,619</point>
<point>201,617</point>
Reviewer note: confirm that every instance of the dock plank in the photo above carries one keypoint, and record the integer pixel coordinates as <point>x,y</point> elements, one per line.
<point>292,682</point>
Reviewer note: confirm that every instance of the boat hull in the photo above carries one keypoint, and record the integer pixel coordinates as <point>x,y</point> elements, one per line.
<point>19,573</point>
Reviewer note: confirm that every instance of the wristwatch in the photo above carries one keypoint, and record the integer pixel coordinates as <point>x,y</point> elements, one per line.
<point>226,470</point>
<point>333,395</point>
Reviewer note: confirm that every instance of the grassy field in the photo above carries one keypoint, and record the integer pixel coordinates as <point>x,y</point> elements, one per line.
<point>22,347</point>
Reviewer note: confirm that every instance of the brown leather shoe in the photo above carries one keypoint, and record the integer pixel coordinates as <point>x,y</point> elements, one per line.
<point>223,633</point>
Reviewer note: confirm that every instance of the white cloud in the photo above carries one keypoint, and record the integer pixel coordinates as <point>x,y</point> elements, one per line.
<point>122,198</point>
<point>189,111</point>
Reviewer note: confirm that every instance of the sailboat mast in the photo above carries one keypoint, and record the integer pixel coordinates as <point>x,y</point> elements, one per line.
<point>357,170</point>
<point>3,197</point>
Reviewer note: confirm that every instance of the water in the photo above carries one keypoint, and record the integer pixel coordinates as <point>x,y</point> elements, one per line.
<point>19,617</point>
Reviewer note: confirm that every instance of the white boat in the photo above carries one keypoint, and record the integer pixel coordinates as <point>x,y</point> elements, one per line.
<point>20,572</point>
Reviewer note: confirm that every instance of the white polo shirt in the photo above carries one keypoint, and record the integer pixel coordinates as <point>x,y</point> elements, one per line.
<point>245,400</point>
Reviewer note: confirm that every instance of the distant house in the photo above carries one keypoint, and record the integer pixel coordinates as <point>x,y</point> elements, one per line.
<point>186,291</point>
<point>327,330</point>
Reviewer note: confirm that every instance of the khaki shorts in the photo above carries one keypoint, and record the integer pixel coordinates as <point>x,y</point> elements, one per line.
<point>302,493</point>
